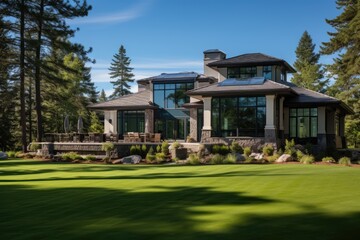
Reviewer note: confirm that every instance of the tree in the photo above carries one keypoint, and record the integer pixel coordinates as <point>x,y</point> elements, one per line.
<point>95,124</point>
<point>345,42</point>
<point>102,97</point>
<point>309,73</point>
<point>121,71</point>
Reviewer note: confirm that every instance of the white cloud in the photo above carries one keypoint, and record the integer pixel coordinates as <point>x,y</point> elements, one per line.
<point>118,17</point>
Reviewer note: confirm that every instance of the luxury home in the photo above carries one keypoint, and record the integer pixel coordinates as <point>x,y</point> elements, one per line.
<point>246,97</point>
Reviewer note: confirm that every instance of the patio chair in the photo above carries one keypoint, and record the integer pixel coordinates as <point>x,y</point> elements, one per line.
<point>156,137</point>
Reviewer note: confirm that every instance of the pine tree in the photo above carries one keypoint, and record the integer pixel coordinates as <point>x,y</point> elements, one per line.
<point>102,97</point>
<point>345,42</point>
<point>121,71</point>
<point>309,73</point>
<point>95,124</point>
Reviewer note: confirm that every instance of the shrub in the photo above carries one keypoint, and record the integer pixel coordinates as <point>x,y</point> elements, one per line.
<point>290,147</point>
<point>143,151</point>
<point>190,139</point>
<point>19,154</point>
<point>90,158</point>
<point>215,149</point>
<point>236,148</point>
<point>193,159</point>
<point>150,157</point>
<point>280,152</point>
<point>273,157</point>
<point>230,159</point>
<point>299,154</point>
<point>175,145</point>
<point>11,154</point>
<point>107,147</point>
<point>160,157</point>
<point>34,146</point>
<point>307,159</point>
<point>250,160</point>
<point>158,148</point>
<point>133,150</point>
<point>345,161</point>
<point>328,160</point>
<point>165,148</point>
<point>217,159</point>
<point>71,156</point>
<point>247,151</point>
<point>268,150</point>
<point>224,150</point>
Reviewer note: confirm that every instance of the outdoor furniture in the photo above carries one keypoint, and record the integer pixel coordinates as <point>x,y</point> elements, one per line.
<point>136,137</point>
<point>156,138</point>
<point>145,137</point>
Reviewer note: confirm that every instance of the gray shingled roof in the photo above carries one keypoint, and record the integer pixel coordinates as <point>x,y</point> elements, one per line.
<point>139,100</point>
<point>217,90</point>
<point>251,59</point>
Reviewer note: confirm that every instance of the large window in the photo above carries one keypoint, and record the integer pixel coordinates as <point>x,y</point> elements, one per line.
<point>303,122</point>
<point>131,121</point>
<point>267,72</point>
<point>171,95</point>
<point>238,116</point>
<point>241,72</point>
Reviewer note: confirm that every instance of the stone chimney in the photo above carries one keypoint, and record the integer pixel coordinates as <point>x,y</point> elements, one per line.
<point>212,55</point>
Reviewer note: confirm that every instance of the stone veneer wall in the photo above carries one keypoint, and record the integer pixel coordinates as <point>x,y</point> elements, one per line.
<point>149,120</point>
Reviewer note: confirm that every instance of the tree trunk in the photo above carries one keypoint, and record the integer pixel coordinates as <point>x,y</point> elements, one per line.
<point>37,76</point>
<point>22,77</point>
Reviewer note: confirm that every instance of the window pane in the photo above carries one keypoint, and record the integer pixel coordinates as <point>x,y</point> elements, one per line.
<point>292,127</point>
<point>261,118</point>
<point>306,112</point>
<point>300,112</point>
<point>190,86</point>
<point>229,113</point>
<point>247,101</point>
<point>159,98</point>
<point>293,112</point>
<point>180,97</point>
<point>170,98</point>
<point>247,117</point>
<point>314,127</point>
<point>261,101</point>
<point>158,86</point>
<point>169,86</point>
<point>233,73</point>
<point>313,111</point>
<point>303,127</point>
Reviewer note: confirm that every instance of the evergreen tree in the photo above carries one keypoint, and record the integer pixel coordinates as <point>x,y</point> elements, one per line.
<point>309,73</point>
<point>95,124</point>
<point>345,41</point>
<point>102,97</point>
<point>7,89</point>
<point>121,71</point>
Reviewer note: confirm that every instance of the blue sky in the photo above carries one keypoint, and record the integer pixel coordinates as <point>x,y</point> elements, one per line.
<point>171,35</point>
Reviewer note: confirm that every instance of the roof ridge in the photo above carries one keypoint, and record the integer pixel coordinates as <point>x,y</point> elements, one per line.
<point>280,84</point>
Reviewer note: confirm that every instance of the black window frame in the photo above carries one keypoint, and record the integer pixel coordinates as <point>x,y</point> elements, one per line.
<point>266,70</point>
<point>176,87</point>
<point>312,138</point>
<point>121,120</point>
<point>258,129</point>
<point>242,72</point>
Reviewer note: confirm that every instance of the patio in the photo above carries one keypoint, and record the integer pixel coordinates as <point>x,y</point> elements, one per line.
<point>103,137</point>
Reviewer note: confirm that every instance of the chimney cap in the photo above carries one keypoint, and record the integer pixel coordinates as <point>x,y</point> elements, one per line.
<point>213,51</point>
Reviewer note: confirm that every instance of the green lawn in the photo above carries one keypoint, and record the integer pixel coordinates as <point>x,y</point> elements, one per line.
<point>70,201</point>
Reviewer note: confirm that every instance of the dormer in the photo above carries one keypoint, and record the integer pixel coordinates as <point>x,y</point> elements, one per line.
<point>251,65</point>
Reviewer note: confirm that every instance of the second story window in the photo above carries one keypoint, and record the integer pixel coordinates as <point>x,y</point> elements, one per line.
<point>171,95</point>
<point>241,72</point>
<point>267,72</point>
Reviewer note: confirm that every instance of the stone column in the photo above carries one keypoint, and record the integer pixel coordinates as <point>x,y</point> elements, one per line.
<point>321,136</point>
<point>206,130</point>
<point>270,129</point>
<point>193,123</point>
<point>149,120</point>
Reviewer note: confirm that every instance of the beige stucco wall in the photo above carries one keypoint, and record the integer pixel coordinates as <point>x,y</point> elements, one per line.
<point>110,127</point>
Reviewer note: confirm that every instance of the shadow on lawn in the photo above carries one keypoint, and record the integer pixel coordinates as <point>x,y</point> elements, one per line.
<point>96,213</point>
<point>164,175</point>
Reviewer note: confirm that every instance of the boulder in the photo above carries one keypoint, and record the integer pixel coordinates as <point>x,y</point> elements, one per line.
<point>132,159</point>
<point>284,158</point>
<point>240,157</point>
<point>257,156</point>
<point>3,156</point>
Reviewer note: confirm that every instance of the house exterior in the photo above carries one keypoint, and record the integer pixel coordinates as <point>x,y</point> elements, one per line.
<point>246,97</point>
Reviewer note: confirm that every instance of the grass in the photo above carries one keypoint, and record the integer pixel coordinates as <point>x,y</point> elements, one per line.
<point>276,201</point>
